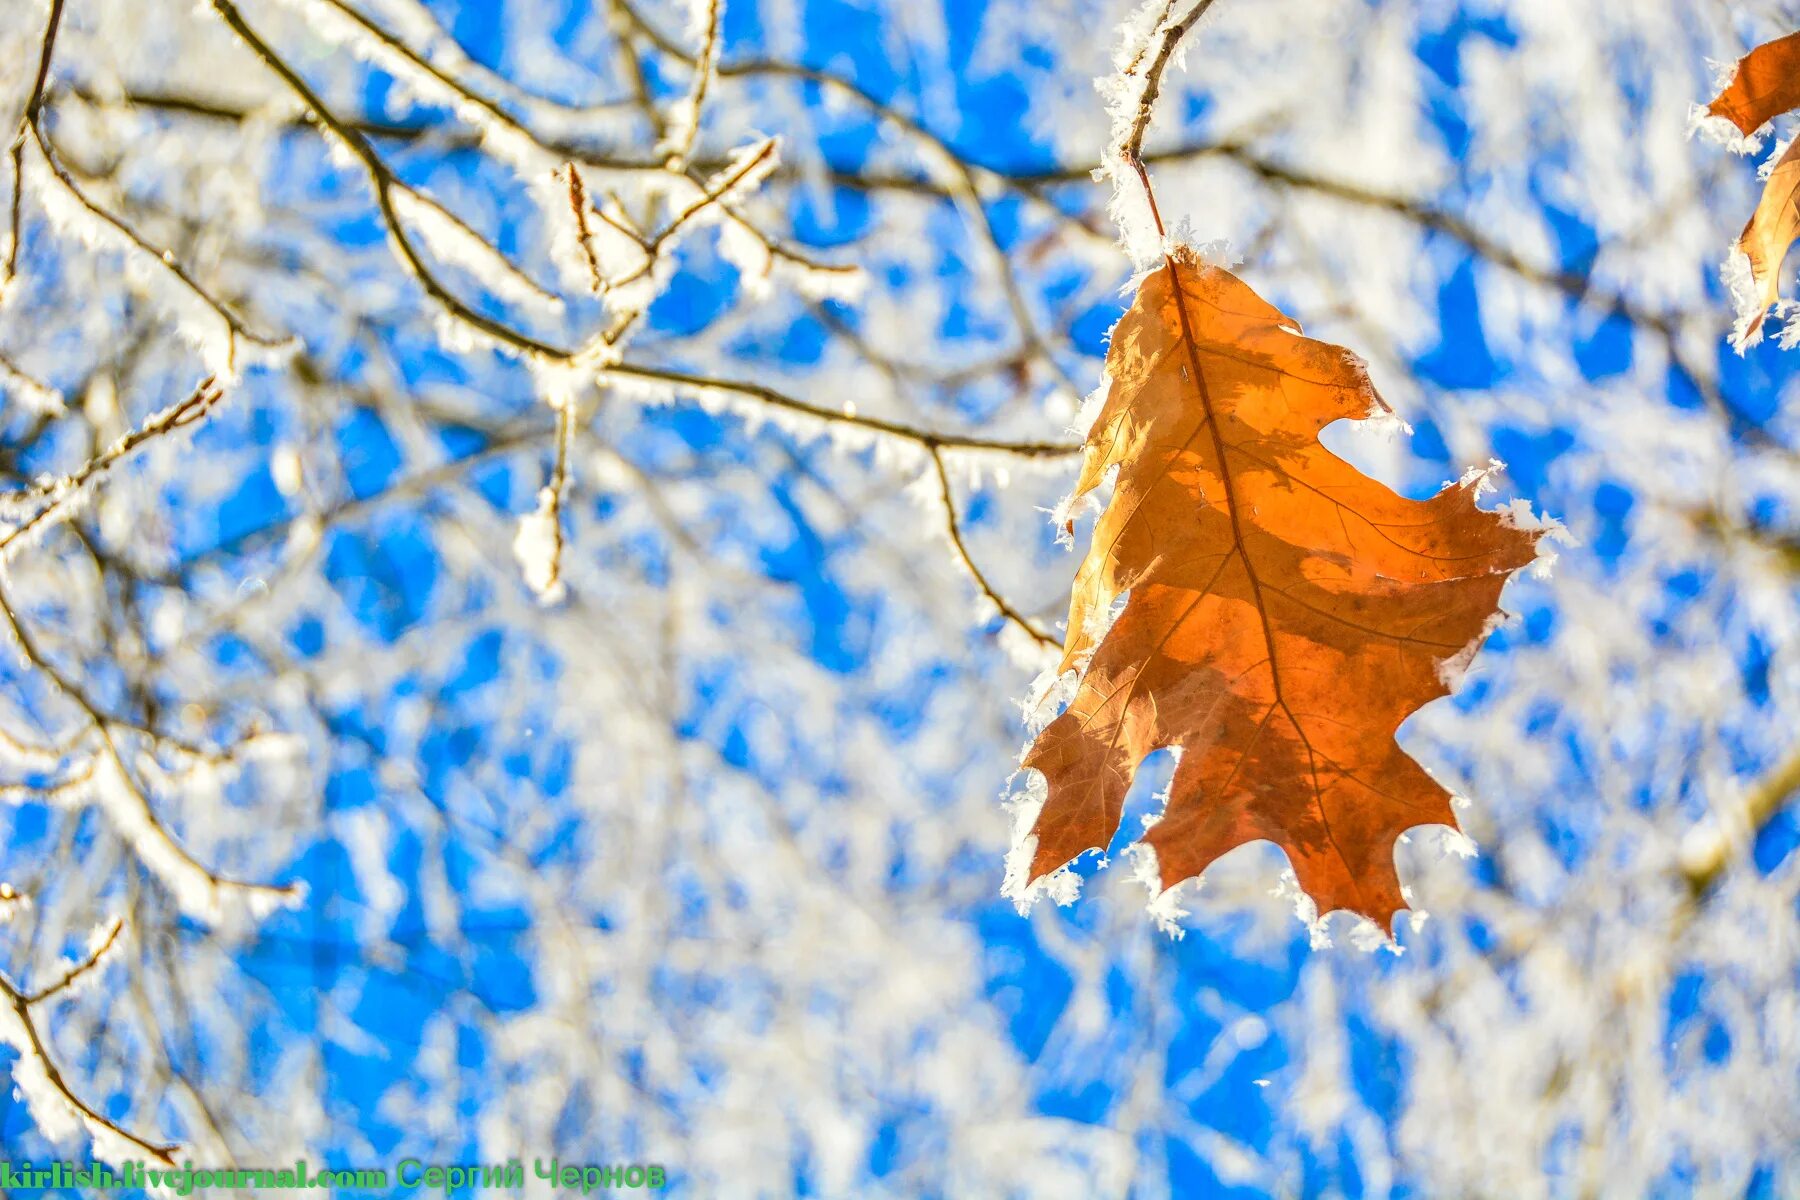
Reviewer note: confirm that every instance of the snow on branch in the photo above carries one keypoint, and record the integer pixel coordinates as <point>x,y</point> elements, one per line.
<point>684,120</point>
<point>53,500</point>
<point>200,315</point>
<point>538,544</point>
<point>79,974</point>
<point>448,237</point>
<point>200,893</point>
<point>57,1111</point>
<point>1148,42</point>
<point>32,392</point>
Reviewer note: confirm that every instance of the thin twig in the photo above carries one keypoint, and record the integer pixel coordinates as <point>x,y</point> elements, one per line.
<point>965,185</point>
<point>78,969</point>
<point>578,204</point>
<point>551,585</point>
<point>954,528</point>
<point>236,326</point>
<point>774,399</point>
<point>107,750</point>
<point>162,1152</point>
<point>705,64</point>
<point>33,106</point>
<point>57,494</point>
<point>533,347</point>
<point>1132,145</point>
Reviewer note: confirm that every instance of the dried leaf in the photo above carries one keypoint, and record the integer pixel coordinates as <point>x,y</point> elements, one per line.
<point>1764,244</point>
<point>1765,85</point>
<point>1285,612</point>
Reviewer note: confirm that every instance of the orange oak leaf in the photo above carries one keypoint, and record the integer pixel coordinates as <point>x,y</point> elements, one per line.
<point>1765,84</point>
<point>1284,612</point>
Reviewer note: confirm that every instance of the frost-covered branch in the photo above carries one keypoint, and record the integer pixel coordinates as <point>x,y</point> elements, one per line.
<point>52,500</point>
<point>1034,184</point>
<point>1143,59</point>
<point>34,104</point>
<point>684,124</point>
<point>538,545</point>
<point>387,188</point>
<point>106,782</point>
<point>77,972</point>
<point>97,224</point>
<point>1146,48</point>
<point>52,1103</point>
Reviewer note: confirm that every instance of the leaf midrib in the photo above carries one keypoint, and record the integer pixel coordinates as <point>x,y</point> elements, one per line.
<point>1211,423</point>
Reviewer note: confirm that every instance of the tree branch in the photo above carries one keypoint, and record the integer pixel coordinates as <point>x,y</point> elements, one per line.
<point>954,528</point>
<point>34,104</point>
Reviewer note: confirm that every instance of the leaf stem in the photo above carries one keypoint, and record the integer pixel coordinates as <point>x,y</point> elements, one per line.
<point>1131,145</point>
